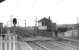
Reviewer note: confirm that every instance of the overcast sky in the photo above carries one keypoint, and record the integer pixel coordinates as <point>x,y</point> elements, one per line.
<point>60,11</point>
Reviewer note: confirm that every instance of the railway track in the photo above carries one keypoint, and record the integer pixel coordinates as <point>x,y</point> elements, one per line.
<point>73,42</point>
<point>49,46</point>
<point>36,46</point>
<point>69,43</point>
<point>43,45</point>
<point>63,44</point>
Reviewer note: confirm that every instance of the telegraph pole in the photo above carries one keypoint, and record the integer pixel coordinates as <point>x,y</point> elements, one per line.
<point>78,25</point>
<point>11,19</point>
<point>36,25</point>
<point>35,20</point>
<point>7,23</point>
<point>25,23</point>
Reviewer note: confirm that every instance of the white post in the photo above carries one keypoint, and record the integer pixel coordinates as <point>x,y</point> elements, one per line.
<point>7,38</point>
<point>14,42</point>
<point>5,43</point>
<point>9,42</point>
<point>2,44</point>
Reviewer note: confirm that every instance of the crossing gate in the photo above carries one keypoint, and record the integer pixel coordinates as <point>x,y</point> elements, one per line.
<point>8,42</point>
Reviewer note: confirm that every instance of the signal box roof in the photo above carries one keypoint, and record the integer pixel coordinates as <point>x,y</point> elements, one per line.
<point>44,19</point>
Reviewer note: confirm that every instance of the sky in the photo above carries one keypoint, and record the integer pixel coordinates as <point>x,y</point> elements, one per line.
<point>60,11</point>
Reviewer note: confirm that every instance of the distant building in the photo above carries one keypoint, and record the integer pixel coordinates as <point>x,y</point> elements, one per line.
<point>46,27</point>
<point>46,24</point>
<point>42,24</point>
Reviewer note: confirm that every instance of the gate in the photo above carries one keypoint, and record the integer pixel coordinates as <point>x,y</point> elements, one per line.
<point>8,42</point>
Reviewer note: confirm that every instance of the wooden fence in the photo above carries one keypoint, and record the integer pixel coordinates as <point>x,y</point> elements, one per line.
<point>8,42</point>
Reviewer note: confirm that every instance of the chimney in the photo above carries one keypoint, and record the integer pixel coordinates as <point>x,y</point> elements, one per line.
<point>49,17</point>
